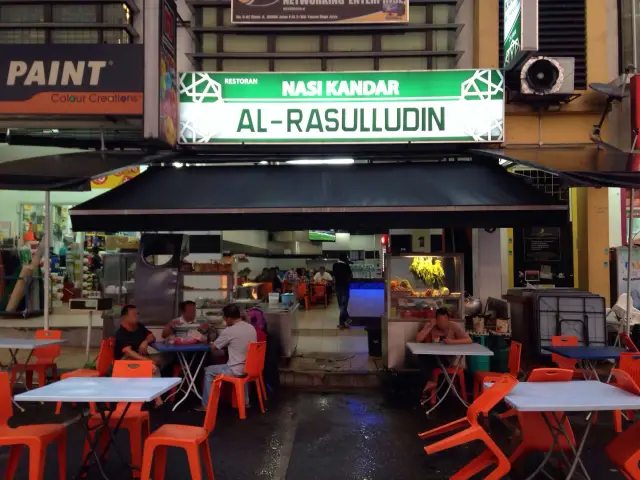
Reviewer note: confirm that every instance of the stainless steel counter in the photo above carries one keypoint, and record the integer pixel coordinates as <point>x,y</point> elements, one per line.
<point>281,321</point>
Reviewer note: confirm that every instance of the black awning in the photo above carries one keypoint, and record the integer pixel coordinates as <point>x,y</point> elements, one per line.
<point>362,197</point>
<point>69,171</point>
<point>577,166</point>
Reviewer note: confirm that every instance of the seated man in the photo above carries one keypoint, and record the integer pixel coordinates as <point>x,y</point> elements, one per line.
<point>198,331</point>
<point>236,339</point>
<point>133,340</point>
<point>439,330</point>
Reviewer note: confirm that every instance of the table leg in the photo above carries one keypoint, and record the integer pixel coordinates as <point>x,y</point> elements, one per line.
<point>557,431</point>
<point>100,456</point>
<point>14,361</point>
<point>450,381</point>
<point>189,379</point>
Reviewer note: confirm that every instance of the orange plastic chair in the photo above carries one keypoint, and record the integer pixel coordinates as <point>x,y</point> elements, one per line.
<point>103,364</point>
<point>628,343</point>
<point>473,431</point>
<point>536,436</point>
<point>624,452</point>
<point>513,364</point>
<point>303,294</point>
<point>459,377</point>
<point>136,422</point>
<point>564,362</point>
<point>253,367</point>
<point>319,292</point>
<point>45,360</point>
<point>194,440</point>
<point>629,364</point>
<point>36,437</point>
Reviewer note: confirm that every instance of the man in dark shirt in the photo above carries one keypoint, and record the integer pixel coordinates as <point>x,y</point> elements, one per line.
<point>342,277</point>
<point>133,340</point>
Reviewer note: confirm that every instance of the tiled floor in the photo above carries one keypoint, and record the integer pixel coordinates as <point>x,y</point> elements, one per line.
<point>318,332</point>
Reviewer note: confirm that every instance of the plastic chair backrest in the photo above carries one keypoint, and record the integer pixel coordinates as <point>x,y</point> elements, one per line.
<point>133,369</point>
<point>491,397</point>
<point>254,365</point>
<point>625,381</point>
<point>6,407</point>
<point>550,375</point>
<point>515,353</point>
<point>302,289</point>
<point>105,357</point>
<point>628,343</point>
<point>564,341</point>
<point>212,407</point>
<point>319,290</point>
<point>630,363</point>
<point>50,353</point>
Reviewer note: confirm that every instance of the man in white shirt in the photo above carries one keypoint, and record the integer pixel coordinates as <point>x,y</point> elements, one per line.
<point>236,339</point>
<point>322,275</point>
<point>187,319</point>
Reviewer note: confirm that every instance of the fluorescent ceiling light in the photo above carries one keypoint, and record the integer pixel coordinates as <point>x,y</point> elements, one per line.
<point>178,164</point>
<point>327,161</point>
<point>263,162</point>
<point>503,162</point>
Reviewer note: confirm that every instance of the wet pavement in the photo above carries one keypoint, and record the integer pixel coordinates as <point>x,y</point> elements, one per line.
<point>309,435</point>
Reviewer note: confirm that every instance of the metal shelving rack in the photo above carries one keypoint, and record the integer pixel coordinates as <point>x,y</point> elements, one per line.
<point>203,291</point>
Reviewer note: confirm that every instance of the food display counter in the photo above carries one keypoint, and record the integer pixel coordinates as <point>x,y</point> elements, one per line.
<point>416,286</point>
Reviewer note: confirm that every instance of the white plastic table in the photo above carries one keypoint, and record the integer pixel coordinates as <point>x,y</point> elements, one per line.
<point>579,396</point>
<point>442,349</point>
<point>101,390</point>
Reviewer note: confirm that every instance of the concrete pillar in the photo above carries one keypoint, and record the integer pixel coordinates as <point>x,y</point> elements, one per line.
<point>487,264</point>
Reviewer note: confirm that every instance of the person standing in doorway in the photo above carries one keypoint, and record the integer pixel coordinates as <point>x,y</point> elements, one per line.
<point>342,277</point>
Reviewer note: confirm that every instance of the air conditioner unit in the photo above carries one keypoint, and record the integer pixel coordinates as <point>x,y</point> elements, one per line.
<point>548,76</point>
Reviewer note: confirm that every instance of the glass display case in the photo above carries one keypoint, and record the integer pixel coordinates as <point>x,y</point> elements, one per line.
<point>420,284</point>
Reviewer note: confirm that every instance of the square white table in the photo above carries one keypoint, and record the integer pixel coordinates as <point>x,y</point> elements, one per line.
<point>101,390</point>
<point>442,349</point>
<point>578,396</point>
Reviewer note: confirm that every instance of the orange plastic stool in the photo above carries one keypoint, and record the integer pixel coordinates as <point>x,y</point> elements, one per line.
<point>624,452</point>
<point>469,430</point>
<point>194,440</point>
<point>45,360</point>
<point>626,377</point>
<point>459,377</point>
<point>36,437</point>
<point>480,378</point>
<point>536,436</point>
<point>103,364</point>
<point>136,422</point>
<point>253,367</point>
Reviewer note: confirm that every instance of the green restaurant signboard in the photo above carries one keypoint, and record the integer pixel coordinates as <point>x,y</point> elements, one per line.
<point>348,107</point>
<point>520,30</point>
<point>512,30</point>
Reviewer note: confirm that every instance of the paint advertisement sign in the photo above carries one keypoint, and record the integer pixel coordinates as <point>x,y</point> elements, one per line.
<point>116,179</point>
<point>71,79</point>
<point>319,11</point>
<point>520,30</point>
<point>348,107</point>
